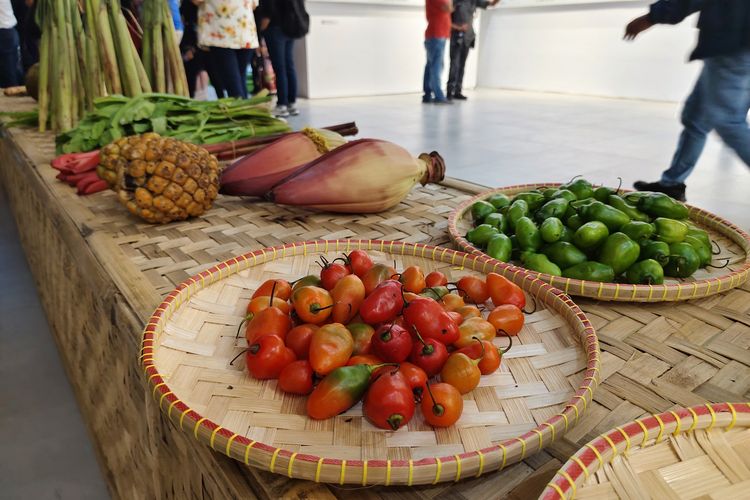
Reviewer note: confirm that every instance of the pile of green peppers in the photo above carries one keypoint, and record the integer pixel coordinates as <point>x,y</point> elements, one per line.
<point>591,233</point>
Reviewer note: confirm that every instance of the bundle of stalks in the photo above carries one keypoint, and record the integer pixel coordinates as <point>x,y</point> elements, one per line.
<point>160,51</point>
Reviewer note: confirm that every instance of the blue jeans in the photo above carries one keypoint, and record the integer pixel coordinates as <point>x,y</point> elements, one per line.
<point>281,51</point>
<point>435,48</point>
<point>720,101</point>
<point>10,58</point>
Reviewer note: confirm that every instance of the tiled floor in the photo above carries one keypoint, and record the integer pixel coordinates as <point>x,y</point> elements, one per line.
<point>496,138</point>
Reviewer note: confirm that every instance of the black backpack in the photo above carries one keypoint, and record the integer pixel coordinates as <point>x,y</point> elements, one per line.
<point>295,21</point>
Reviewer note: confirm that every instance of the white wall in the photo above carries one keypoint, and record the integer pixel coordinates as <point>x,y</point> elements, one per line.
<point>579,49</point>
<point>359,49</point>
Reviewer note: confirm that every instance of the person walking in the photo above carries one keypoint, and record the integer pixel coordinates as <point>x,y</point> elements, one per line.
<point>227,28</point>
<point>281,23</point>
<point>10,54</point>
<point>721,98</point>
<point>438,30</point>
<point>462,40</point>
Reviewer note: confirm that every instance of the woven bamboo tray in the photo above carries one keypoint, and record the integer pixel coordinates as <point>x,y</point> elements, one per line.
<point>699,452</point>
<point>542,389</point>
<point>734,244</point>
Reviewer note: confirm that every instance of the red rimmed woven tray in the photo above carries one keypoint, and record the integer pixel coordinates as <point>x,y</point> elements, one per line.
<point>542,389</point>
<point>733,242</point>
<point>698,452</point>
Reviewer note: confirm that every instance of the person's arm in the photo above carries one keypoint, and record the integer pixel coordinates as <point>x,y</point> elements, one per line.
<point>447,6</point>
<point>483,4</point>
<point>662,12</point>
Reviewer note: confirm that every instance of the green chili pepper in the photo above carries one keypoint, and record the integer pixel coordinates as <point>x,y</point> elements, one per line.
<point>500,247</point>
<point>590,235</point>
<point>481,209</point>
<point>627,209</point>
<point>670,230</point>
<point>656,250</point>
<point>533,200</point>
<point>552,229</point>
<point>590,271</point>
<point>645,272</point>
<point>564,193</point>
<point>638,231</point>
<point>620,252</point>
<point>309,280</point>
<point>575,222</point>
<point>498,200</point>
<point>548,192</point>
<point>658,205</point>
<point>701,235</point>
<point>540,263</point>
<point>580,187</point>
<point>602,193</point>
<point>567,234</point>
<point>564,254</point>
<point>497,220</point>
<point>553,208</point>
<point>612,217</point>
<point>683,260</point>
<point>703,251</point>
<point>518,209</point>
<point>528,234</point>
<point>480,235</point>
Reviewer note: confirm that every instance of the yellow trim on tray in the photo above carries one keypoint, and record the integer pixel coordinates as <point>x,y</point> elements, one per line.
<point>627,439</point>
<point>458,468</point>
<point>505,456</point>
<point>275,455</point>
<point>364,473</point>
<point>734,417</point>
<point>387,472</point>
<point>695,420</point>
<point>580,464</point>
<point>570,480</point>
<point>213,436</point>
<point>439,470</point>
<point>557,489</point>
<point>291,464</point>
<point>342,477</point>
<point>713,417</point>
<point>411,473</point>
<point>611,445</point>
<point>317,470</point>
<point>523,447</point>
<point>197,426</point>
<point>481,463</point>
<point>247,452</point>
<point>552,428</point>
<point>596,452</point>
<point>228,450</point>
<point>645,432</point>
<point>661,429</point>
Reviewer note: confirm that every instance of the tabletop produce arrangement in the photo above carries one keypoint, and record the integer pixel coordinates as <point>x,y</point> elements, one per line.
<point>363,331</point>
<point>584,232</point>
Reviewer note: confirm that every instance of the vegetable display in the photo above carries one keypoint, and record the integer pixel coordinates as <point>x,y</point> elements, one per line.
<point>160,50</point>
<point>597,234</point>
<point>390,344</point>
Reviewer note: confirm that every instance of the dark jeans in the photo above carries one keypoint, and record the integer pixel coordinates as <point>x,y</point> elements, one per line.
<point>281,51</point>
<point>459,52</point>
<point>10,58</point>
<point>229,66</point>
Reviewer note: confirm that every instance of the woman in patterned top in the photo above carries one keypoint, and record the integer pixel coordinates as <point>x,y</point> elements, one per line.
<point>227,28</point>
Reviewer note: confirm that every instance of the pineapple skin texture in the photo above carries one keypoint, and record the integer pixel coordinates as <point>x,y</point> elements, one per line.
<point>160,179</point>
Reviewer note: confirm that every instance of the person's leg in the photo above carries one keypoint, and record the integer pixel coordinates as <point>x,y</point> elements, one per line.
<point>275,43</point>
<point>218,59</point>
<point>731,102</point>
<point>453,71</point>
<point>697,125</point>
<point>436,68</point>
<point>228,70</point>
<point>291,74</point>
<point>462,55</point>
<point>243,58</point>
<point>427,91</point>
<point>10,59</point>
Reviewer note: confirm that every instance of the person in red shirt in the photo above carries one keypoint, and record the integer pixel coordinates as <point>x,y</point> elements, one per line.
<point>437,33</point>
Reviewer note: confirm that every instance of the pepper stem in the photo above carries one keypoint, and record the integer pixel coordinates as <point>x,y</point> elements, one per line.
<point>437,409</point>
<point>395,421</point>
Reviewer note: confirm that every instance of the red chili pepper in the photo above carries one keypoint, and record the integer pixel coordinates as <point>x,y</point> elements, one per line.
<point>331,273</point>
<point>389,403</point>
<point>391,343</point>
<point>339,390</point>
<point>359,262</point>
<point>429,318</point>
<point>383,304</point>
<point>267,357</point>
<point>430,355</point>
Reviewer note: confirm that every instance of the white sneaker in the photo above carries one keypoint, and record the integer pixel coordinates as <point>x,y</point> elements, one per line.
<point>293,110</point>
<point>280,111</point>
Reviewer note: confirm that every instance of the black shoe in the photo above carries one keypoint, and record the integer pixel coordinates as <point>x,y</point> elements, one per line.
<point>460,97</point>
<point>677,191</point>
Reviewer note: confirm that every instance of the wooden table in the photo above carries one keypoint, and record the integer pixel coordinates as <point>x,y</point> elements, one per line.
<point>100,273</point>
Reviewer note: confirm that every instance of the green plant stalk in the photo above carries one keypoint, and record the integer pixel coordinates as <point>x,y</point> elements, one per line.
<point>62,87</point>
<point>45,64</point>
<point>128,72</point>
<point>145,84</point>
<point>160,83</point>
<point>93,65</point>
<point>108,52</point>
<point>173,55</point>
<point>147,42</point>
<point>76,48</point>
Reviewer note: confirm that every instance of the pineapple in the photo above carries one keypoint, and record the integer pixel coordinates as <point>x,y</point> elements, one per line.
<point>160,179</point>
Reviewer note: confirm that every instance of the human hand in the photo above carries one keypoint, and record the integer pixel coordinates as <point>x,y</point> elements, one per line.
<point>637,26</point>
<point>465,27</point>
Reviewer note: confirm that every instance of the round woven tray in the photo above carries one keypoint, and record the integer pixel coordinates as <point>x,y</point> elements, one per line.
<point>543,387</point>
<point>699,452</point>
<point>733,242</point>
